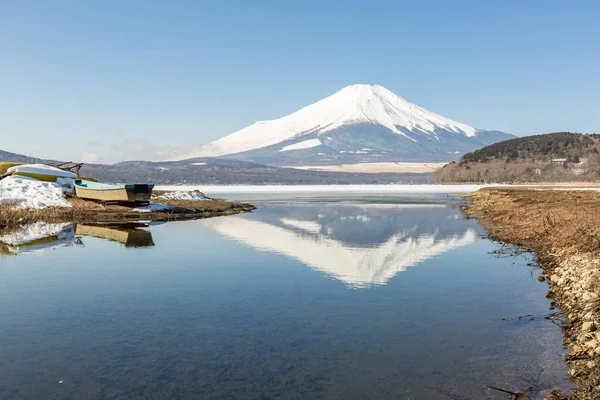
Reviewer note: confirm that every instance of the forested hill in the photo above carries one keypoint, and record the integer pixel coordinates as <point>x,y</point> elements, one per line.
<point>539,147</point>
<point>553,157</point>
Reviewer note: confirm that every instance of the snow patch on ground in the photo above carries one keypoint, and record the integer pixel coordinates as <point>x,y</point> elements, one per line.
<point>66,184</point>
<point>29,193</point>
<point>154,207</point>
<point>307,144</point>
<point>183,195</point>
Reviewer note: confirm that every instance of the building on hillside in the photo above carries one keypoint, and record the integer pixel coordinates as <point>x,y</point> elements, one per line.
<point>558,160</point>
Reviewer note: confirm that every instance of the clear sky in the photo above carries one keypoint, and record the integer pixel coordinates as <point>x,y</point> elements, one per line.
<point>108,80</point>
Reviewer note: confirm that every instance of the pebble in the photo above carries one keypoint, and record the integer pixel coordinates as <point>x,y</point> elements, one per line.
<point>587,296</point>
<point>554,278</point>
<point>588,326</point>
<point>591,364</point>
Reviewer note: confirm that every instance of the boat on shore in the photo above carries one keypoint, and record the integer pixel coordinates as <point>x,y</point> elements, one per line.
<point>40,172</point>
<point>128,193</point>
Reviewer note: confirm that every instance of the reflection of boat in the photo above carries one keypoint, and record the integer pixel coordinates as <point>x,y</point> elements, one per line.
<point>127,234</point>
<point>36,237</point>
<point>117,193</point>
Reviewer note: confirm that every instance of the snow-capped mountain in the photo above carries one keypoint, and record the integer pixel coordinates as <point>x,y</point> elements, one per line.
<point>360,123</point>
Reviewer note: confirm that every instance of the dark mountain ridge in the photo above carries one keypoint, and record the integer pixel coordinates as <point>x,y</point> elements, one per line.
<point>220,171</point>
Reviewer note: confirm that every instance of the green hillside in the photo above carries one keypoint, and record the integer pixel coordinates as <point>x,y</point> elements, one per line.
<point>553,157</point>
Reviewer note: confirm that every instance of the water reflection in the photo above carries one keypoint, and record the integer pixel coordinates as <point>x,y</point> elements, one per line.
<point>359,244</point>
<point>39,236</point>
<point>42,236</point>
<point>129,235</point>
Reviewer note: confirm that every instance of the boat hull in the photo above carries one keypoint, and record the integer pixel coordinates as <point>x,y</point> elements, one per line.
<point>138,193</point>
<point>39,177</point>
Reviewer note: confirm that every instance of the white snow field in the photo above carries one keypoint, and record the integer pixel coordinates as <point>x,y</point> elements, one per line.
<point>374,168</point>
<point>367,189</point>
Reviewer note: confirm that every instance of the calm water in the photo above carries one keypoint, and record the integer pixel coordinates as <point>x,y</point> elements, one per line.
<point>313,297</point>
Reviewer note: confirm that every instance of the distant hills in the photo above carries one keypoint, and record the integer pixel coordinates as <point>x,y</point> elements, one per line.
<point>217,171</point>
<point>552,157</point>
<point>358,124</point>
<point>7,156</point>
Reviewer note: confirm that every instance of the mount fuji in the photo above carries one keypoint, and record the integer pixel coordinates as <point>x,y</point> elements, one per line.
<point>358,124</point>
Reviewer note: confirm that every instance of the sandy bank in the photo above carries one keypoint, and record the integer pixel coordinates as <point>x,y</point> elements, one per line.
<point>563,229</point>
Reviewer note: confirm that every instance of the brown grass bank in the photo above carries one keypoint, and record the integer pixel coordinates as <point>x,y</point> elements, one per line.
<point>563,228</point>
<point>89,211</point>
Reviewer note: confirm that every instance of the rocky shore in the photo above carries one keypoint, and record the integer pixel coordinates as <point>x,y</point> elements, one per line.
<point>562,227</point>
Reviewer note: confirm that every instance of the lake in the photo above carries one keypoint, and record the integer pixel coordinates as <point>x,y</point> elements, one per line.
<point>322,296</point>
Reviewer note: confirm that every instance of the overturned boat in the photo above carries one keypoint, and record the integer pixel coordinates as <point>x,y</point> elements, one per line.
<point>128,193</point>
<point>40,172</point>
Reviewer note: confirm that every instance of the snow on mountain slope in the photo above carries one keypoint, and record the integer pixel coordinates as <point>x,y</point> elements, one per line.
<point>355,118</point>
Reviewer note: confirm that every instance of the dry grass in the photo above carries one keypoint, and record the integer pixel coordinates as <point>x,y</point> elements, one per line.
<point>89,211</point>
<point>540,220</point>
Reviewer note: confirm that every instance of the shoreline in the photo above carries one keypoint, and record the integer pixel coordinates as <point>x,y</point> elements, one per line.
<point>562,229</point>
<point>84,211</point>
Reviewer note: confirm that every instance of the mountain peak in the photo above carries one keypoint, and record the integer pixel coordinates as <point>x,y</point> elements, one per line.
<point>367,92</point>
<point>349,109</point>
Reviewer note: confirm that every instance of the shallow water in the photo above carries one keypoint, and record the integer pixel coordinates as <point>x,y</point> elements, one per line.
<point>312,297</point>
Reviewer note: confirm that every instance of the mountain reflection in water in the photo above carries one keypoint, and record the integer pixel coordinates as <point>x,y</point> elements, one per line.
<point>359,244</point>
<point>42,236</point>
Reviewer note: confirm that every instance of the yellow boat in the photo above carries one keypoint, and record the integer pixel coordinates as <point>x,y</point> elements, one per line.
<point>41,172</point>
<point>4,165</point>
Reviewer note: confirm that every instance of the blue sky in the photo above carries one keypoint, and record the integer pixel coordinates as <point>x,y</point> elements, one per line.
<point>111,80</point>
